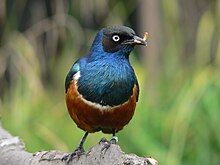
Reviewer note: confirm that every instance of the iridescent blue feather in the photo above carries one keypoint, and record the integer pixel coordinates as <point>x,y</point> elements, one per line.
<point>106,78</point>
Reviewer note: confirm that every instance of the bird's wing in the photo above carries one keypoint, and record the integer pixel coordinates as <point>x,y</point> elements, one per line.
<point>74,71</point>
<point>136,83</point>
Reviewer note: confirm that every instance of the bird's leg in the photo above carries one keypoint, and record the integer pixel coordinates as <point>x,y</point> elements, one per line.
<point>78,151</point>
<point>114,139</point>
<point>107,144</point>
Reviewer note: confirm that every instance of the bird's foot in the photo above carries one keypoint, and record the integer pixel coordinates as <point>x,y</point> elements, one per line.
<point>114,140</point>
<point>103,140</point>
<point>77,152</point>
<point>107,144</point>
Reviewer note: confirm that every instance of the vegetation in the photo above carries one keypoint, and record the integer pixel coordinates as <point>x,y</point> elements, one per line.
<point>178,113</point>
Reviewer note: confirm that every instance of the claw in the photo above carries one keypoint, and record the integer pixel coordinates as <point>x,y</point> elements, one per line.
<point>107,144</point>
<point>103,140</point>
<point>77,152</point>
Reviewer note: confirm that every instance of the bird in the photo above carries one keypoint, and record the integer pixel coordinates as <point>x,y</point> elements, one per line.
<point>101,87</point>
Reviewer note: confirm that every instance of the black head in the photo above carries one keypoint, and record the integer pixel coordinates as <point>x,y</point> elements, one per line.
<point>117,38</point>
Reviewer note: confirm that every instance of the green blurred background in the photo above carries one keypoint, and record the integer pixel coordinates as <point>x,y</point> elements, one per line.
<point>177,120</point>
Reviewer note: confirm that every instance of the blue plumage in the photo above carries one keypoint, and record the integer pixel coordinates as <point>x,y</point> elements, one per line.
<point>106,78</point>
<point>101,87</point>
<point>107,82</point>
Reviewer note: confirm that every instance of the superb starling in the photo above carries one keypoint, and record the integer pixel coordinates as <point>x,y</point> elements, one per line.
<point>101,87</point>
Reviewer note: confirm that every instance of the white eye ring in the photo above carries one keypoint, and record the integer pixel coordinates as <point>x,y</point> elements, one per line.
<point>115,38</point>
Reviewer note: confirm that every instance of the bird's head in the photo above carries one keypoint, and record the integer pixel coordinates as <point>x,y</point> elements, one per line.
<point>116,39</point>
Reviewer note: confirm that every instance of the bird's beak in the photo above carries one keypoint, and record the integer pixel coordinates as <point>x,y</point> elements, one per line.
<point>139,41</point>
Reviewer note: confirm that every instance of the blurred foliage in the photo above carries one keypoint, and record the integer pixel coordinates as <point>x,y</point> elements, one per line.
<point>177,118</point>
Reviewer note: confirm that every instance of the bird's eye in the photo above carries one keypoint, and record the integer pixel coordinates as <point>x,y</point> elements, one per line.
<point>115,38</point>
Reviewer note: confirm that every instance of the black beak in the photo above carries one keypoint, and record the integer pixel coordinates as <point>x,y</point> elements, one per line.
<point>135,40</point>
<point>139,41</point>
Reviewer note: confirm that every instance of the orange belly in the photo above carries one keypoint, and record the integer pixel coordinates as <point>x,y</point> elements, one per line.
<point>95,118</point>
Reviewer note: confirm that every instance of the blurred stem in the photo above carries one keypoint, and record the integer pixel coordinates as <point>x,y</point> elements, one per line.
<point>150,22</point>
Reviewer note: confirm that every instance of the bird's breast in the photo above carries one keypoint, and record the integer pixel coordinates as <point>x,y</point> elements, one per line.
<point>92,117</point>
<point>107,84</point>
